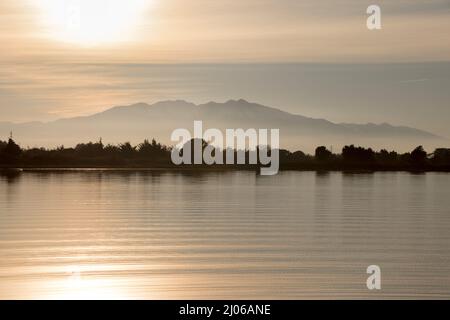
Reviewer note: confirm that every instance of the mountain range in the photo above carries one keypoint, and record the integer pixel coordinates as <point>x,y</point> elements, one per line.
<point>141,121</point>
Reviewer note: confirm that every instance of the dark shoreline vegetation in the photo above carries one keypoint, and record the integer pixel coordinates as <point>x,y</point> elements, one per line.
<point>157,156</point>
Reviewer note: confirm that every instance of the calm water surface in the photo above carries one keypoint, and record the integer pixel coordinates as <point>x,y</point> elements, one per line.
<point>162,235</point>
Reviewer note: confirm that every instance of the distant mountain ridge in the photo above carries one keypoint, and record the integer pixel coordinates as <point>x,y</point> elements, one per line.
<point>141,121</point>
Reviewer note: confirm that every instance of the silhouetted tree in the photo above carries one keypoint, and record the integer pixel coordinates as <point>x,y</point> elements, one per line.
<point>127,149</point>
<point>12,149</point>
<point>323,154</point>
<point>90,149</point>
<point>385,156</point>
<point>285,156</point>
<point>291,158</point>
<point>155,154</point>
<point>152,149</point>
<point>357,154</point>
<point>418,156</point>
<point>441,156</point>
<point>298,155</point>
<point>3,145</point>
<point>111,149</point>
<point>10,152</point>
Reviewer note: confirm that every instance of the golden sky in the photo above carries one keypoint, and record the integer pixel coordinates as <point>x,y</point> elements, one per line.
<point>222,31</point>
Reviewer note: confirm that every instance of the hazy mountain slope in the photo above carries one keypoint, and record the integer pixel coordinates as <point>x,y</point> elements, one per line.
<point>139,121</point>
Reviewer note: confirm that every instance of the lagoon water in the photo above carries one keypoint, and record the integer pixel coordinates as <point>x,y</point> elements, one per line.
<point>176,235</point>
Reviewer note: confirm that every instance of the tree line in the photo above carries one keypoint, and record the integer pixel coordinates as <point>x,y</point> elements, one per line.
<point>155,154</point>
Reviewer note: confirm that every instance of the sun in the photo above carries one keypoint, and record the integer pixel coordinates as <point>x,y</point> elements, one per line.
<point>91,22</point>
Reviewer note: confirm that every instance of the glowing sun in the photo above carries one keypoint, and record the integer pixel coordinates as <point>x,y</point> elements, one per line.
<point>91,22</point>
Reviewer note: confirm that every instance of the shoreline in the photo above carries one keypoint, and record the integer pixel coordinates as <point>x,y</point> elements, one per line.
<point>19,169</point>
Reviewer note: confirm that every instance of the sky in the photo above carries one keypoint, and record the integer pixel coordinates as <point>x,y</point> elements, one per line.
<point>63,58</point>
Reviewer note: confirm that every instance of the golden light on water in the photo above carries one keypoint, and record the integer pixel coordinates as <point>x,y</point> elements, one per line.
<point>76,286</point>
<point>76,282</point>
<point>91,22</point>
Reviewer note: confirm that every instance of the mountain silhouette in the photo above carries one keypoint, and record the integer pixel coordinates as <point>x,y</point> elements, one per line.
<point>139,121</point>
